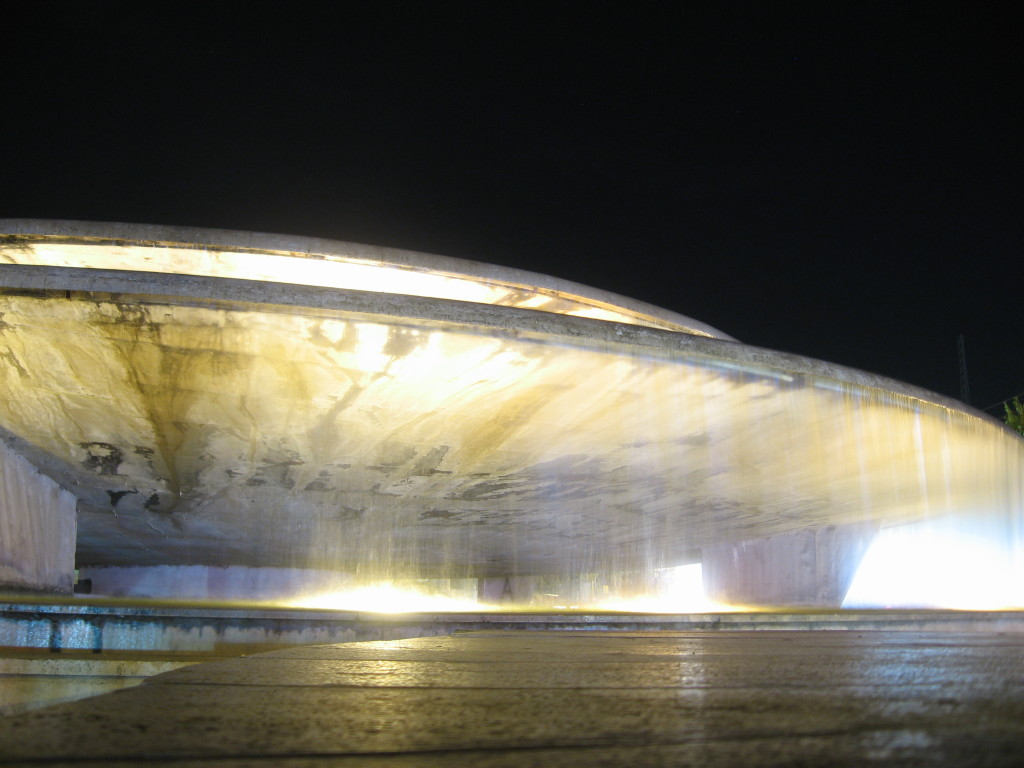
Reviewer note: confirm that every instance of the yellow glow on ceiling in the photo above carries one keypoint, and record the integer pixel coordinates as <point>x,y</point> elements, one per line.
<point>596,313</point>
<point>322,271</point>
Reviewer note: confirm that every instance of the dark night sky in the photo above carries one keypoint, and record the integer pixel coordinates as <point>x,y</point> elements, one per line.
<point>840,180</point>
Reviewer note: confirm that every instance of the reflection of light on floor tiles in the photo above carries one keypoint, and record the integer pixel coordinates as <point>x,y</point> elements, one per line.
<point>20,693</point>
<point>936,565</point>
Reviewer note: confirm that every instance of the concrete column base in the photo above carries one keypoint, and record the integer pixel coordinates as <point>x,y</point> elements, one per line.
<point>811,568</point>
<point>37,529</point>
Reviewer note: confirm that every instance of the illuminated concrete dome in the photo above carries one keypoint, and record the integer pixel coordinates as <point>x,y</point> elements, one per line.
<point>213,399</point>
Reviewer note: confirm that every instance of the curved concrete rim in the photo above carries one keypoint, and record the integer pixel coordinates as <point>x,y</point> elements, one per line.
<point>300,246</point>
<point>416,310</point>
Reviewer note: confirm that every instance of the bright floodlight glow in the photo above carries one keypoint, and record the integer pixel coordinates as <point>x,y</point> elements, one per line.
<point>936,565</point>
<point>676,590</point>
<point>386,598</point>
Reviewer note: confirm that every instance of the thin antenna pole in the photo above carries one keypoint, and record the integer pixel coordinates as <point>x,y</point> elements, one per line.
<point>965,387</point>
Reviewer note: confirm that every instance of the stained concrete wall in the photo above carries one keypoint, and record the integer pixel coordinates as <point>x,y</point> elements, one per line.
<point>200,582</point>
<point>37,528</point>
<point>811,568</point>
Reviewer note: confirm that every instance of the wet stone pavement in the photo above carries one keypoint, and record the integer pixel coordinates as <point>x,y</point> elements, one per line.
<point>578,698</point>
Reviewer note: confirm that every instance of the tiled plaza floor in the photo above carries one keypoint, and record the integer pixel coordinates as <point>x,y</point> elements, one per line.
<point>579,698</point>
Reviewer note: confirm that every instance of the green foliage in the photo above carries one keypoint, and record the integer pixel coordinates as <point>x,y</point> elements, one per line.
<point>1015,414</point>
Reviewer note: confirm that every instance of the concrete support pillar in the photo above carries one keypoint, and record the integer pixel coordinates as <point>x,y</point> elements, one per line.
<point>37,528</point>
<point>811,568</point>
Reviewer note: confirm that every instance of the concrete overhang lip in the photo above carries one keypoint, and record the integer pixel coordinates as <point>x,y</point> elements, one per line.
<point>147,287</point>
<point>526,289</point>
<point>642,324</point>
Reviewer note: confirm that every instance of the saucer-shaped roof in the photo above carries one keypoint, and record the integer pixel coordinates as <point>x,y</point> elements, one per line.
<point>226,398</point>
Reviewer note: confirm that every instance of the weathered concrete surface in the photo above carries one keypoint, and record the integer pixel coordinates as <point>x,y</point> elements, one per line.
<point>219,630</point>
<point>225,631</point>
<point>844,699</point>
<point>37,528</point>
<point>191,433</point>
<point>213,419</point>
<point>811,567</point>
<point>224,584</point>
